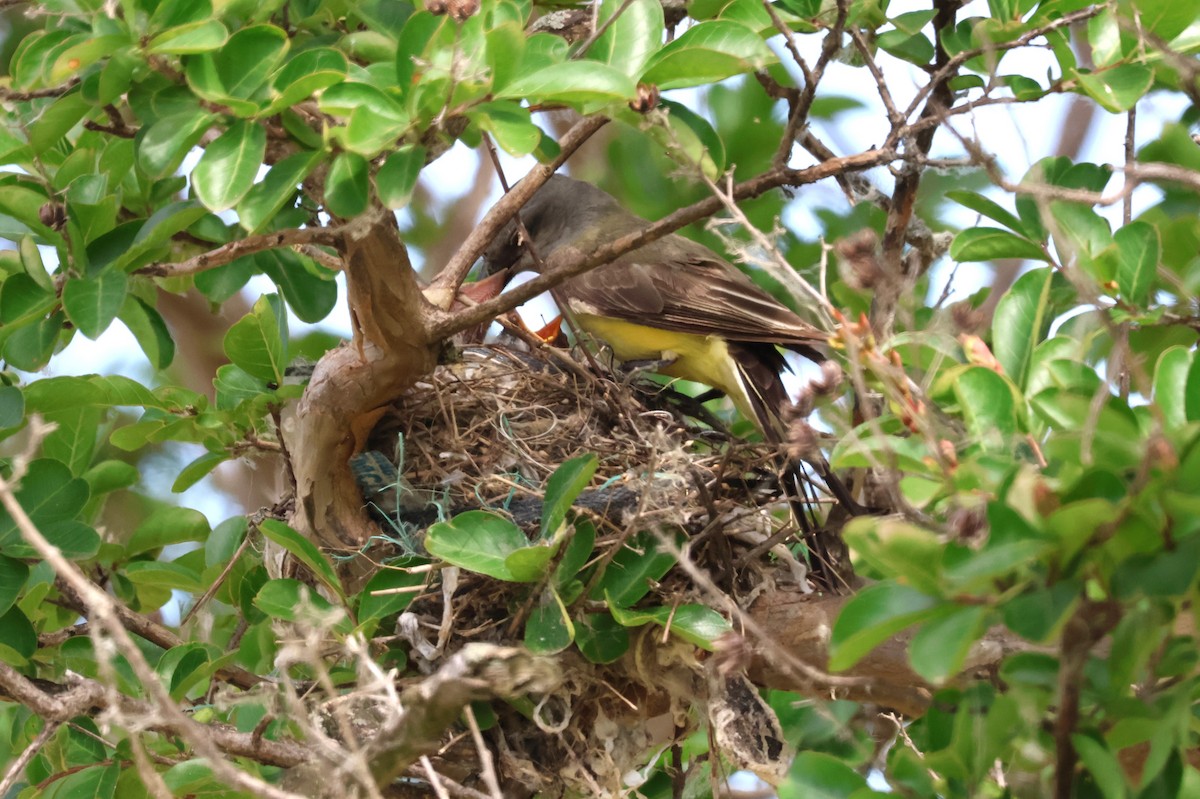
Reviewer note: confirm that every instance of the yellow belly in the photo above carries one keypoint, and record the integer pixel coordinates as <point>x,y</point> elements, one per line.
<point>704,359</point>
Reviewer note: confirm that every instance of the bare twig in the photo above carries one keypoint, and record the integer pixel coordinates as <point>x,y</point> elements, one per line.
<point>599,30</point>
<point>17,767</point>
<point>17,96</point>
<point>236,249</point>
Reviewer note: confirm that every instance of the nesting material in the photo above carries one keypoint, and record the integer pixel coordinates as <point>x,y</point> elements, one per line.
<point>489,428</point>
<point>486,431</point>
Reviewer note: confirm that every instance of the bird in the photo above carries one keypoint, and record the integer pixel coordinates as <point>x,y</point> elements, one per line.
<point>673,303</point>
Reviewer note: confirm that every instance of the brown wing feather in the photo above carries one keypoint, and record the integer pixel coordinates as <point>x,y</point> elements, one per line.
<point>699,295</point>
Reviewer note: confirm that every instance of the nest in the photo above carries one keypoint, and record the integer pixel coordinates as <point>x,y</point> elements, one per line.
<point>489,428</point>
<point>486,431</point>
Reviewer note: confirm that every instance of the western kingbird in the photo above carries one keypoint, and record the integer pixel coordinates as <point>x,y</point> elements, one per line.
<point>672,301</point>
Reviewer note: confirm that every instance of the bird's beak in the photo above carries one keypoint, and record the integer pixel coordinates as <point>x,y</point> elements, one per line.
<point>485,289</point>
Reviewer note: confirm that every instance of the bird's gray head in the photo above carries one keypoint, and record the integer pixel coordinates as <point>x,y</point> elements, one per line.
<point>559,212</point>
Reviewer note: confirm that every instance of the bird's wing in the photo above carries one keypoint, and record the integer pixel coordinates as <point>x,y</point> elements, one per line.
<point>700,295</point>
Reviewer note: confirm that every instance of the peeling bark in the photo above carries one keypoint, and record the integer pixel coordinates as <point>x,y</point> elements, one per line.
<point>391,350</point>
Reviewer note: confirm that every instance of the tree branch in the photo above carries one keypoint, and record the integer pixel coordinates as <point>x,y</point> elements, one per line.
<point>230,252</point>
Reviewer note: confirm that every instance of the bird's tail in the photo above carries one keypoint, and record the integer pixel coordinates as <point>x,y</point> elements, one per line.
<point>759,367</point>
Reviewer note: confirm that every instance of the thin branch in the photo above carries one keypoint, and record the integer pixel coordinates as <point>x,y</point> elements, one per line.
<point>600,29</point>
<point>444,287</point>
<point>1130,155</point>
<point>17,767</point>
<point>153,632</point>
<point>17,96</point>
<point>945,71</point>
<point>230,252</point>
<point>564,264</point>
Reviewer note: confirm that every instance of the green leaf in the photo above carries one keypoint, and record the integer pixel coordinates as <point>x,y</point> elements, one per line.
<point>1168,573</point>
<point>292,600</point>
<point>707,53</point>
<point>698,625</point>
<point>56,121</point>
<point>872,616</point>
<point>1107,772</point>
<point>372,606</point>
<point>168,525</point>
<point>628,577</point>
<point>195,37</point>
<point>277,189</point>
<point>570,478</point>
<point>184,667</point>
<point>31,347</point>
<point>239,68</point>
<point>229,165</point>
<point>164,574</point>
<point>987,403</point>
<point>1139,250</point>
<point>577,553</point>
<point>1038,615</point>
<point>1021,322</point>
<point>477,541</point>
<point>18,639</point>
<point>632,39</point>
<point>162,146</point>
<point>1165,19</point>
<point>13,574</point>
<point>74,440</point>
<point>309,289</point>
<point>255,343</point>
<point>74,539</point>
<point>48,493</point>
<point>347,186</point>
<point>223,543</point>
<point>687,138</point>
<point>396,179</point>
<point>110,475</point>
<point>601,638</point>
<point>304,74</point>
<point>235,385</point>
<point>93,303</point>
<point>991,244</point>
<point>31,263</point>
<point>150,330</point>
<point>529,563</point>
<point>898,549</point>
<point>304,551</point>
<point>76,59</point>
<point>939,649</point>
<point>989,208</point>
<point>509,124</point>
<point>549,629</point>
<point>156,233</point>
<point>914,48</point>
<point>575,83</point>
<point>816,775</point>
<point>58,393</point>
<point>1170,385</point>
<point>23,299</point>
<point>197,470</point>
<point>12,407</point>
<point>1117,89</point>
